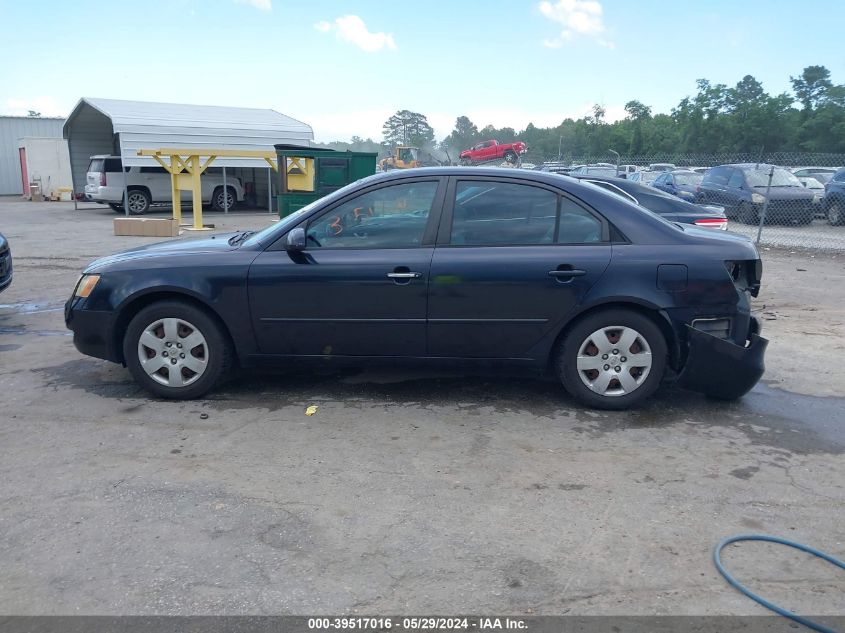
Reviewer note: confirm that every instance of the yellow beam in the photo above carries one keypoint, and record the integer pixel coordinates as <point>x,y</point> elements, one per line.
<point>268,155</point>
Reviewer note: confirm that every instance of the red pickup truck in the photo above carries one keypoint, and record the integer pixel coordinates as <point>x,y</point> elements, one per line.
<point>493,150</point>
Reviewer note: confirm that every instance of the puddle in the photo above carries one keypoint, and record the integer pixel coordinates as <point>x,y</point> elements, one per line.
<point>30,308</point>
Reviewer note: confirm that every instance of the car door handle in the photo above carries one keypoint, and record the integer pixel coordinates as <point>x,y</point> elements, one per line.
<point>408,275</point>
<point>567,272</point>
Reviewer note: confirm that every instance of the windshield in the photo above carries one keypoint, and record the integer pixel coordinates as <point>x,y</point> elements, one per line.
<point>822,176</point>
<point>780,178</point>
<point>812,183</point>
<point>691,180</point>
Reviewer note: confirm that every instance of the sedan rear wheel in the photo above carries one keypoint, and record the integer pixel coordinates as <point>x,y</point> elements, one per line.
<point>176,350</point>
<point>612,359</point>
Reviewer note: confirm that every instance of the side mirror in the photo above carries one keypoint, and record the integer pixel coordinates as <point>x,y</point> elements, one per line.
<point>295,240</point>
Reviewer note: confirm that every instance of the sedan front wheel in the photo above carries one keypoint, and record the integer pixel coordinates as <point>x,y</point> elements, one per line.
<point>176,350</point>
<point>612,359</point>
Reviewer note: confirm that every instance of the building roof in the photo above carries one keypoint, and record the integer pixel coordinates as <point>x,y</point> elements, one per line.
<point>151,125</point>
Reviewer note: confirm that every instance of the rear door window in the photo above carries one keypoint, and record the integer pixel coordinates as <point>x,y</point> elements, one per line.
<point>577,225</point>
<point>489,213</point>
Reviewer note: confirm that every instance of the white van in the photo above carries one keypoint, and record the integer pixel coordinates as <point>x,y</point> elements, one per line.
<point>148,185</point>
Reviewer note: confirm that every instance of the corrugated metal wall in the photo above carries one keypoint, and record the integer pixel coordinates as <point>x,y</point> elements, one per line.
<point>90,134</point>
<point>13,128</point>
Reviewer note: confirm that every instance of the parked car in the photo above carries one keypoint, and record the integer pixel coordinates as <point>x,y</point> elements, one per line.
<point>448,265</point>
<point>5,263</point>
<point>644,177</point>
<point>662,167</point>
<point>665,205</point>
<point>593,170</point>
<point>628,169</point>
<point>150,185</point>
<point>682,183</point>
<point>822,174</point>
<point>811,184</point>
<point>741,190</point>
<point>493,150</point>
<point>555,167</point>
<point>834,199</point>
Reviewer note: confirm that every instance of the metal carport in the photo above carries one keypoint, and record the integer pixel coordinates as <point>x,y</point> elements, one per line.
<point>112,126</point>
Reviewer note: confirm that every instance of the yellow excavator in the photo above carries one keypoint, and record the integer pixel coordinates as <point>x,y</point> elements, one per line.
<point>403,157</point>
<point>407,157</point>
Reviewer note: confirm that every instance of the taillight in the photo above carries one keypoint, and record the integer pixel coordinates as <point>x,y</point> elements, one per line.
<point>713,223</point>
<point>102,179</point>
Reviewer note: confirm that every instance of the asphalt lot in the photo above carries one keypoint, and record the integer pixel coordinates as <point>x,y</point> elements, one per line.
<point>406,492</point>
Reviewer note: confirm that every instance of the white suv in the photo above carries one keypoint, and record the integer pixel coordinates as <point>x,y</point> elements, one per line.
<point>148,185</point>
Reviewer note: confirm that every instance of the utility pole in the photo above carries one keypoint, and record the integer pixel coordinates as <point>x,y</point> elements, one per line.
<point>615,153</point>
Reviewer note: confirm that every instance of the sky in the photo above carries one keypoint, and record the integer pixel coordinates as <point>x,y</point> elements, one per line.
<point>345,66</point>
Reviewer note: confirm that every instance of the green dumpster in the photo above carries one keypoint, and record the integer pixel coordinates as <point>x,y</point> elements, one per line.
<point>308,173</point>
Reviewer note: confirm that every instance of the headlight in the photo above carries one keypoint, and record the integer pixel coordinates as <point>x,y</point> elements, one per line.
<point>85,285</point>
<point>757,198</point>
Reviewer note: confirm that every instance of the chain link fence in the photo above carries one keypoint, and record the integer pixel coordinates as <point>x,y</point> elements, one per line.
<point>782,199</point>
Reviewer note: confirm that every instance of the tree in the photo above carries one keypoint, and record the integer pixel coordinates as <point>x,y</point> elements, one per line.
<point>462,136</point>
<point>408,128</point>
<point>637,111</point>
<point>811,86</point>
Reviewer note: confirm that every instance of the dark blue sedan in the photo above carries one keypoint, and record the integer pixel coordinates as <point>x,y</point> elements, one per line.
<point>679,182</point>
<point>466,266</point>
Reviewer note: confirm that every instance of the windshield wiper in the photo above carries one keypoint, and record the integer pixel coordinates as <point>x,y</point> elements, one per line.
<point>240,237</point>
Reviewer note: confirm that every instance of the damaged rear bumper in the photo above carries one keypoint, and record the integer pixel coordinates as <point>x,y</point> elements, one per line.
<point>721,368</point>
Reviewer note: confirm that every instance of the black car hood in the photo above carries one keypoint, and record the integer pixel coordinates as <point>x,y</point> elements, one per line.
<point>214,243</point>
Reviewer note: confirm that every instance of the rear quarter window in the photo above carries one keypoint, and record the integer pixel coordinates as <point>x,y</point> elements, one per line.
<point>96,165</point>
<point>112,164</point>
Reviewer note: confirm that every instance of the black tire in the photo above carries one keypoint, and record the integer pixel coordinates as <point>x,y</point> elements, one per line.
<point>511,157</point>
<point>216,352</point>
<point>139,201</point>
<point>582,331</point>
<point>835,213</point>
<point>747,214</point>
<point>117,208</point>
<point>217,198</point>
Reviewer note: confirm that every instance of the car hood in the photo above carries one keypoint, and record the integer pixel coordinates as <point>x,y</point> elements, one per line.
<point>214,243</point>
<point>786,193</point>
